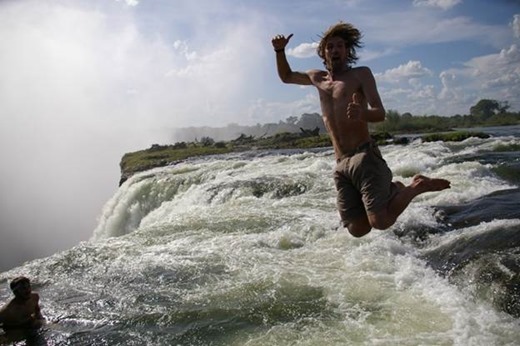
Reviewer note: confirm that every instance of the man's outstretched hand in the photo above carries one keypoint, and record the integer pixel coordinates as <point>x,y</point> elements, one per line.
<point>280,41</point>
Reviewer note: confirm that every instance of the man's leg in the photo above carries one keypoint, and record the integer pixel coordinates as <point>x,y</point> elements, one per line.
<point>350,204</point>
<point>386,217</point>
<point>359,226</point>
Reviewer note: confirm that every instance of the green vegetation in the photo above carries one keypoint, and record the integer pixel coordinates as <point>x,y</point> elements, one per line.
<point>456,136</point>
<point>435,128</point>
<point>163,155</point>
<point>484,113</point>
<point>288,140</point>
<point>506,148</point>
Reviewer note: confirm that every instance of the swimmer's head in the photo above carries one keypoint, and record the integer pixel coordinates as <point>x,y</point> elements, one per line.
<point>21,286</point>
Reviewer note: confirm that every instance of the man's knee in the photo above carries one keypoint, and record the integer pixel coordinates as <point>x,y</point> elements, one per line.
<point>358,233</point>
<point>359,228</point>
<point>381,220</point>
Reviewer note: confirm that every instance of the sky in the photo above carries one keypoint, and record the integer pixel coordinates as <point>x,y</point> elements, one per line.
<point>84,81</point>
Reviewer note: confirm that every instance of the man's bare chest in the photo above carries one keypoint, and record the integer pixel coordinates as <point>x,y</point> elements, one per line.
<point>338,90</point>
<point>20,312</point>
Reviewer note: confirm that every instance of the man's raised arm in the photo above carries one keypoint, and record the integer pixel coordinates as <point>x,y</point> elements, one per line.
<point>284,70</point>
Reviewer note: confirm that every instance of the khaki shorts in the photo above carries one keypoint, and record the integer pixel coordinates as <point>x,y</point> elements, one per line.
<point>363,182</point>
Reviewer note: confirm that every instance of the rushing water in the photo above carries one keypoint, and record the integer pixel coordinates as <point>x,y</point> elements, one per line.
<point>247,249</point>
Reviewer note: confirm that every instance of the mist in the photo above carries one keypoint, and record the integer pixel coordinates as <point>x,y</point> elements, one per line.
<point>82,84</point>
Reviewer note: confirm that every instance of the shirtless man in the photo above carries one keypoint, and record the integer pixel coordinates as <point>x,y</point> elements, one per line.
<point>367,197</point>
<point>22,314</point>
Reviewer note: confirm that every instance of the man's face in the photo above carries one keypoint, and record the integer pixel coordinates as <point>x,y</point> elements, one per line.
<point>336,53</point>
<point>22,290</point>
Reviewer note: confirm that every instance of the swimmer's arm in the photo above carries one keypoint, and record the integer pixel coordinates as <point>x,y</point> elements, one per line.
<point>2,318</point>
<point>37,312</point>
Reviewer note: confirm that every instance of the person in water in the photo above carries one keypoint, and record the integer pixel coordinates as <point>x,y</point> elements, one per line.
<point>22,316</point>
<point>367,198</point>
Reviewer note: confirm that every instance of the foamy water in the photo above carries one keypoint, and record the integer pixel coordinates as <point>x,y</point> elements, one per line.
<point>247,249</point>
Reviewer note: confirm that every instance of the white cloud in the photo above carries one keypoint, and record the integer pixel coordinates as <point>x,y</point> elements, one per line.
<point>368,54</point>
<point>492,66</point>
<point>304,50</point>
<point>444,4</point>
<point>426,92</point>
<point>456,97</point>
<point>182,47</point>
<point>515,24</point>
<point>449,86</point>
<point>427,27</point>
<point>412,69</point>
<point>493,76</point>
<point>263,111</point>
<point>130,2</point>
<point>415,98</point>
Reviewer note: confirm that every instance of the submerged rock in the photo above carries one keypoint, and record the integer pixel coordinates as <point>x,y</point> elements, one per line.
<point>498,205</point>
<point>483,260</point>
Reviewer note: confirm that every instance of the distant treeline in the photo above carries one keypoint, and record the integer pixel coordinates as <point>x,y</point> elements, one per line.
<point>291,124</point>
<point>485,113</point>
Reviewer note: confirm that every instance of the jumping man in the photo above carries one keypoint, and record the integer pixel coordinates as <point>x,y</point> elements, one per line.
<point>367,197</point>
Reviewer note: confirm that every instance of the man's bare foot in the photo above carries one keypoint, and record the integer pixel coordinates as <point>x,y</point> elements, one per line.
<point>425,184</point>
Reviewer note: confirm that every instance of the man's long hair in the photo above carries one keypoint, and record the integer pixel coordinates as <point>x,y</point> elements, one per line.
<point>347,32</point>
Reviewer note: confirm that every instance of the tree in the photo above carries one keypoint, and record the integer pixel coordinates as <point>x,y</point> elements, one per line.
<point>207,141</point>
<point>392,118</point>
<point>291,120</point>
<point>310,121</point>
<point>484,109</point>
<point>504,107</point>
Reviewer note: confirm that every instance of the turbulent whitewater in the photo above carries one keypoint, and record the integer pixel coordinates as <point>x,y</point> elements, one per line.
<point>247,249</point>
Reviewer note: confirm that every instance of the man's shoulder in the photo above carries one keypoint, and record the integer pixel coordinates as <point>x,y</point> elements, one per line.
<point>362,69</point>
<point>363,73</point>
<point>35,297</point>
<point>4,309</point>
<point>10,303</point>
<point>316,76</point>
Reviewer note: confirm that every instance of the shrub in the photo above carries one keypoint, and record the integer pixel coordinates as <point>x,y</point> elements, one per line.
<point>207,141</point>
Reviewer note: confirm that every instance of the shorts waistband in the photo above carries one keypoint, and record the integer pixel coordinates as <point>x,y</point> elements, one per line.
<point>359,149</point>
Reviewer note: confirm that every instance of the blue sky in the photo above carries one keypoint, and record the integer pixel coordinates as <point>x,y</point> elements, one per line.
<point>166,63</point>
<point>428,56</point>
<point>84,81</point>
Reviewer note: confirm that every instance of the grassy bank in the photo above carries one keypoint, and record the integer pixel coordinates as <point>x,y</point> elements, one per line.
<point>164,155</point>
